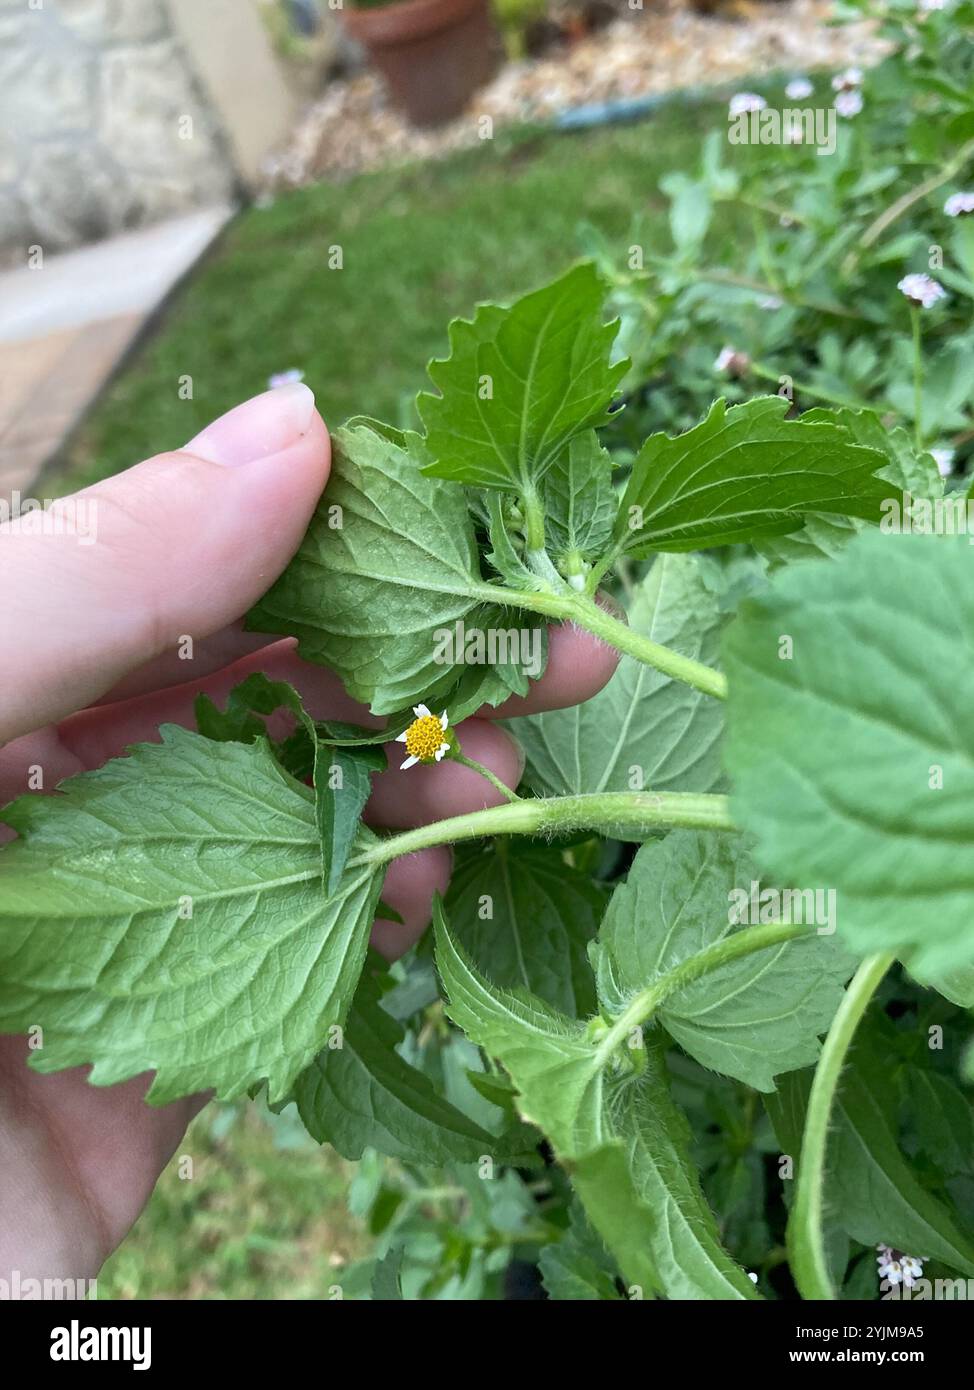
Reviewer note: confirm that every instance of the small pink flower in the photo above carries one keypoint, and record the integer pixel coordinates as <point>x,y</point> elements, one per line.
<point>921,289</point>
<point>848,103</point>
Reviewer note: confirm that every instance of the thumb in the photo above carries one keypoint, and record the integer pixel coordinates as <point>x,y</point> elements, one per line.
<point>178,546</point>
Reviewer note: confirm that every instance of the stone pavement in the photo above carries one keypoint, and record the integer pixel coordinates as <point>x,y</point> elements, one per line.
<point>65,326</point>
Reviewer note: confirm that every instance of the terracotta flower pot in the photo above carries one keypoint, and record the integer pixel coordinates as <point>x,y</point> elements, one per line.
<point>433,54</point>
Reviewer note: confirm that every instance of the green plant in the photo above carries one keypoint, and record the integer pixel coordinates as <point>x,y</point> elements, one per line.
<point>807,298</point>
<point>629,952</point>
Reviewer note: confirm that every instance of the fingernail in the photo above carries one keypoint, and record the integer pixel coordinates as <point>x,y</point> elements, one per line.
<point>259,427</point>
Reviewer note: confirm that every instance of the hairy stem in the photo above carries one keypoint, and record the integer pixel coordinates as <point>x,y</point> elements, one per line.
<point>806,1237</point>
<point>580,609</point>
<point>640,811</point>
<point>743,943</point>
<point>917,379</point>
<point>495,782</point>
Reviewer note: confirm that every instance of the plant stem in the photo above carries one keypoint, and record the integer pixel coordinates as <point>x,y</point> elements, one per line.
<point>718,276</point>
<point>917,379</point>
<point>495,782</point>
<point>806,1239</point>
<point>641,811</point>
<point>903,204</point>
<point>580,609</point>
<point>643,1005</point>
<point>533,519</point>
<point>769,374</point>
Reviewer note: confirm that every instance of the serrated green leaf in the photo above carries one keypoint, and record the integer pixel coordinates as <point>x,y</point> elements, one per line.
<point>366,597</point>
<point>942,1119</point>
<point>618,1136</point>
<point>542,915</point>
<point>342,783</point>
<point>362,1095</point>
<point>580,505</point>
<point>827,536</point>
<point>166,914</point>
<point>642,725</point>
<point>743,473</point>
<point>520,383</point>
<point>753,1017</point>
<point>853,761</point>
<point>577,1268</point>
<point>871,1189</point>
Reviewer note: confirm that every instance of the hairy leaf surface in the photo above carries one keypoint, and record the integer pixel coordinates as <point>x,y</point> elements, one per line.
<point>166,913</point>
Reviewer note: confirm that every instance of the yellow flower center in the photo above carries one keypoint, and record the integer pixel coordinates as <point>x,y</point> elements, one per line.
<point>423,738</point>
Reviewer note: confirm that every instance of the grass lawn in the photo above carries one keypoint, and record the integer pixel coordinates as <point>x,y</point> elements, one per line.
<point>264,1214</point>
<point>419,246</point>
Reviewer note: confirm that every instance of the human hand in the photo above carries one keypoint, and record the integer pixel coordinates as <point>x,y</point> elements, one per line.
<point>90,637</point>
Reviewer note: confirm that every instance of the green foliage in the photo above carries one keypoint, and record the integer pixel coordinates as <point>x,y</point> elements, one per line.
<point>519,386</point>
<point>849,738</point>
<point>166,914</point>
<point>752,1017</point>
<point>744,473</point>
<point>579,1080</point>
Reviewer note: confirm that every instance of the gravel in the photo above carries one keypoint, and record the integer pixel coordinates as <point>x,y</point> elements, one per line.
<point>352,127</point>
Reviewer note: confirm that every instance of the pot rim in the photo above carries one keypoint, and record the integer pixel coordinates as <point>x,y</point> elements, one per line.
<point>405,21</point>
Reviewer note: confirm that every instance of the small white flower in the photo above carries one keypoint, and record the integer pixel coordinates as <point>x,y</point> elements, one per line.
<point>921,289</point>
<point>845,81</point>
<point>770,302</point>
<point>798,89</point>
<point>746,101</point>
<point>944,459</point>
<point>896,1268</point>
<point>958,204</point>
<point>929,5</point>
<point>285,378</point>
<point>424,738</point>
<point>848,103</point>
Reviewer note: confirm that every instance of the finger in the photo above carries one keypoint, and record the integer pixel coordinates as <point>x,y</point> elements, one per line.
<point>420,794</point>
<point>181,545</point>
<point>177,666</point>
<point>579,665</point>
<point>409,887</point>
<point>106,731</point>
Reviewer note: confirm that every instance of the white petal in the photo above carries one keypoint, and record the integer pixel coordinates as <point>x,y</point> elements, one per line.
<point>408,763</point>
<point>445,721</point>
<point>443,748</point>
<point>421,712</point>
<point>401,738</point>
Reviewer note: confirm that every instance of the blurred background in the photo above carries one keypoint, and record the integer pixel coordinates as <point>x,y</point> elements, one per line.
<point>284,153</point>
<point>200,197</point>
